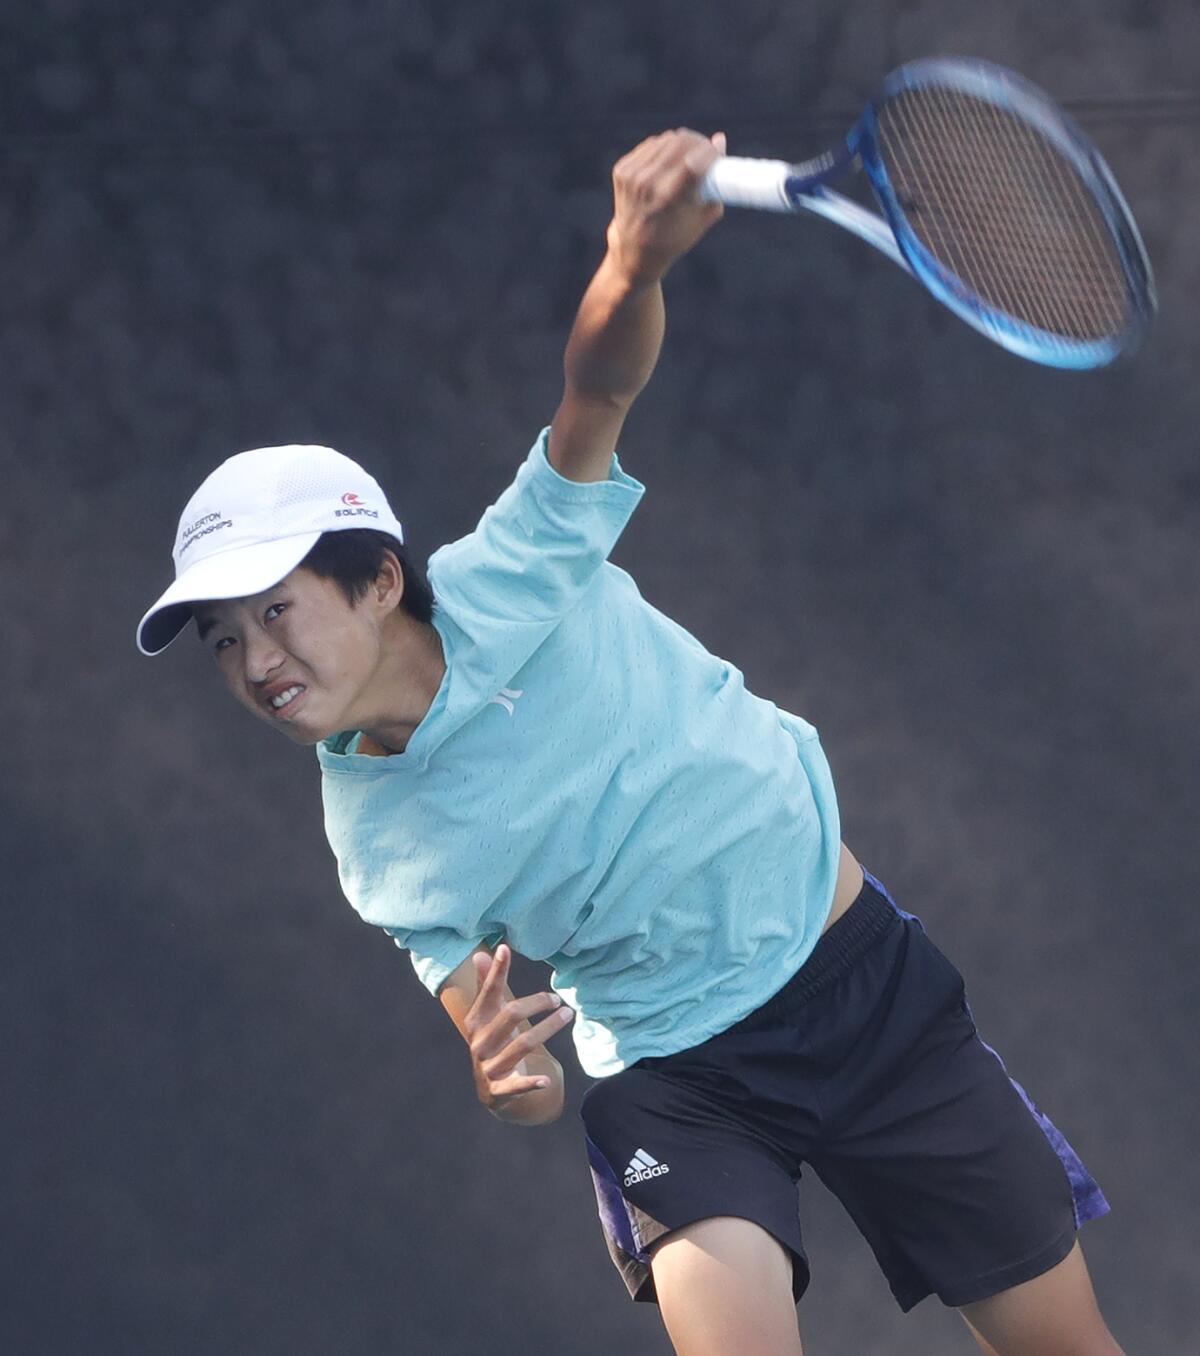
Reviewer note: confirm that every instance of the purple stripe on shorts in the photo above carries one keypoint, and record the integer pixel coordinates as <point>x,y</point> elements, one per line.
<point>614,1215</point>
<point>1089,1201</point>
<point>886,893</point>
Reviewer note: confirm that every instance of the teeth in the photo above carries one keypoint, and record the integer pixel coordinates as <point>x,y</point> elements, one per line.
<point>285,697</point>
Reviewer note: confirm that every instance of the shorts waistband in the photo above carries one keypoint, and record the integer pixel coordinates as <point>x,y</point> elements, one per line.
<point>869,918</point>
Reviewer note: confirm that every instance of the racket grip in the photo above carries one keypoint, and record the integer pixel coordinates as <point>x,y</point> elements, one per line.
<point>745,181</point>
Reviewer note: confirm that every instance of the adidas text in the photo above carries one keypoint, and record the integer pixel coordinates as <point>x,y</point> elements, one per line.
<point>642,1166</point>
<point>634,1176</point>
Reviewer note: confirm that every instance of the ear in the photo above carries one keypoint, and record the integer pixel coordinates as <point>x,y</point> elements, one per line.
<point>388,586</point>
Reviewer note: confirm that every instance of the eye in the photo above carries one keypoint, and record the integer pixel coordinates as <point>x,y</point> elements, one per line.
<point>273,611</point>
<point>222,644</point>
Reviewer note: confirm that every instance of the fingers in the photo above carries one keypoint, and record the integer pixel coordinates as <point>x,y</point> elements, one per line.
<point>664,155</point>
<point>634,161</point>
<point>498,1049</point>
<point>509,1088</point>
<point>658,213</point>
<point>493,976</point>
<point>496,1043</point>
<point>700,155</point>
<point>639,175</point>
<point>494,1009</point>
<point>499,1030</point>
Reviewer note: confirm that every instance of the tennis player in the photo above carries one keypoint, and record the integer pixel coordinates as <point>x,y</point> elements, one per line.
<point>530,757</point>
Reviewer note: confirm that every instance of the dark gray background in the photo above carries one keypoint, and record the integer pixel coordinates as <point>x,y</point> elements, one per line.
<point>233,1121</point>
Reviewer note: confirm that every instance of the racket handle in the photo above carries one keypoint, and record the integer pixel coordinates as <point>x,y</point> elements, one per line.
<point>745,181</point>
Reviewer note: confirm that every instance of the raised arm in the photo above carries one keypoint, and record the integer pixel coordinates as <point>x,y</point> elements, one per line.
<point>657,217</point>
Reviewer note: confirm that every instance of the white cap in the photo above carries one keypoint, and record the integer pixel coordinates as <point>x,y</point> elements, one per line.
<point>254,520</point>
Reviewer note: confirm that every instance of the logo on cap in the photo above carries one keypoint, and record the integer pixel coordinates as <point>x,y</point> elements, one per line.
<point>356,509</point>
<point>202,527</point>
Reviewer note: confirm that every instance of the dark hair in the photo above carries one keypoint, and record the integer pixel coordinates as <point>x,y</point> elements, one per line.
<point>352,559</point>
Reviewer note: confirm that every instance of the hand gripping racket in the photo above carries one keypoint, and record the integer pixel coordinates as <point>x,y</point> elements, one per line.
<point>991,197</point>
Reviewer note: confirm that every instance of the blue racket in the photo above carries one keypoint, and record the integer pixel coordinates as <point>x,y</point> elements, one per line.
<point>992,198</point>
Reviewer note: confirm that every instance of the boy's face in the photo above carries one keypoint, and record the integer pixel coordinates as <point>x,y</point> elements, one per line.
<point>298,655</point>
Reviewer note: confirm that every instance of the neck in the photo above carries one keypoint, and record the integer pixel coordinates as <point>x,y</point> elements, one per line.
<point>410,674</point>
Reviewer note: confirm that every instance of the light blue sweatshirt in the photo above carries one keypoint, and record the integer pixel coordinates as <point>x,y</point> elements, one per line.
<point>592,786</point>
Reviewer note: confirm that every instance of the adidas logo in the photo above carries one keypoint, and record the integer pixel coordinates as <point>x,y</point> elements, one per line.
<point>642,1167</point>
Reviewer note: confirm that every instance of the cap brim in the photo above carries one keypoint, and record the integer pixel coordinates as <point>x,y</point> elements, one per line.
<point>235,573</point>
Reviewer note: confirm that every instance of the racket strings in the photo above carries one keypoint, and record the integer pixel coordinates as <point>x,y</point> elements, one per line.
<point>993,228</point>
<point>1001,208</point>
<point>1045,280</point>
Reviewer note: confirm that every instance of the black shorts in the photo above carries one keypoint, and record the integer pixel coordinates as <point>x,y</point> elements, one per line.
<point>867,1067</point>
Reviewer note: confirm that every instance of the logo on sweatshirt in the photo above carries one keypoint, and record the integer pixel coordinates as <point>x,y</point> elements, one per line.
<point>507,697</point>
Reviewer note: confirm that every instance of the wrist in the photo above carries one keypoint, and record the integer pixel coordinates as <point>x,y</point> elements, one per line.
<point>629,269</point>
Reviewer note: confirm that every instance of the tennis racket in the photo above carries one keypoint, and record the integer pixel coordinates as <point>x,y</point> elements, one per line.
<point>992,198</point>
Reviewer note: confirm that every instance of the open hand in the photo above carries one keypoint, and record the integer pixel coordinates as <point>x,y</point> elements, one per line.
<point>498,1045</point>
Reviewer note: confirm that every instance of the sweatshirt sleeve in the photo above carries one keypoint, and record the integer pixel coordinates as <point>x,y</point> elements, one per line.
<point>536,551</point>
<point>436,953</point>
